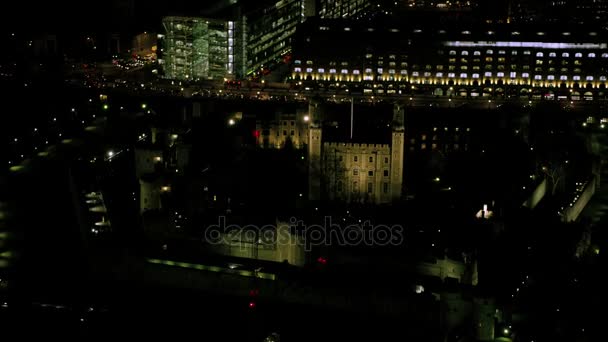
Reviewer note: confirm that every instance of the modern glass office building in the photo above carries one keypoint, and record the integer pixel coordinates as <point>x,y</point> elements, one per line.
<point>245,39</point>
<point>197,48</point>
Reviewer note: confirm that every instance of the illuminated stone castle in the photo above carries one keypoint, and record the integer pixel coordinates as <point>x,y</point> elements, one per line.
<point>284,128</point>
<point>355,172</point>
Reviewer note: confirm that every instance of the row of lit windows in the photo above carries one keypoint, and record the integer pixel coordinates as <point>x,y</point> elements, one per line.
<point>434,146</point>
<point>370,159</point>
<point>465,32</point>
<point>475,53</point>
<point>500,67</point>
<point>370,187</point>
<point>370,173</point>
<point>463,75</point>
<point>527,52</point>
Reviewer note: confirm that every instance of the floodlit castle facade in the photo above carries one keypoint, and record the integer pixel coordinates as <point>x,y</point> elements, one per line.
<point>355,172</point>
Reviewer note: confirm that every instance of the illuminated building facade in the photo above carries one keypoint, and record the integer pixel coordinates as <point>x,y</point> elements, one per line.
<point>497,61</point>
<point>197,48</point>
<point>283,128</point>
<point>356,172</point>
<point>332,9</point>
<point>268,31</point>
<point>247,39</point>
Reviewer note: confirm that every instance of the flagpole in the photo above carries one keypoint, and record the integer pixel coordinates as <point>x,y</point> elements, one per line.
<point>352,104</point>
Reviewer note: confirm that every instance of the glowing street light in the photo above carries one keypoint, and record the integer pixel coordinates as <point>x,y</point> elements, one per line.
<point>144,106</point>
<point>306,118</point>
<point>110,154</point>
<point>231,122</point>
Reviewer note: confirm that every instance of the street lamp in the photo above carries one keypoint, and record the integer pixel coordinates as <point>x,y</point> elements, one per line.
<point>306,118</point>
<point>231,122</point>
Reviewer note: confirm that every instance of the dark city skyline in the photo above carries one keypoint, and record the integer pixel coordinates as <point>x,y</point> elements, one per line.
<point>304,170</point>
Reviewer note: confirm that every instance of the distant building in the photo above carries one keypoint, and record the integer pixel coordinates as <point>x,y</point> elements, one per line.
<point>145,45</point>
<point>243,39</point>
<point>278,245</point>
<point>336,8</point>
<point>284,128</point>
<point>481,61</point>
<point>197,48</point>
<point>356,172</point>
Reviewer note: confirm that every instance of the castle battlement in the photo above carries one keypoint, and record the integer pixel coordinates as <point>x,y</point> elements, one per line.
<point>338,145</point>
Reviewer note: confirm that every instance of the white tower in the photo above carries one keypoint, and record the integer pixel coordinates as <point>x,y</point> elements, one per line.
<point>314,151</point>
<point>397,151</point>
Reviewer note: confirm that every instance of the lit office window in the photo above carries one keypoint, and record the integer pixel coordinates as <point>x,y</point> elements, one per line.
<point>578,55</point>
<point>514,52</point>
<point>452,52</point>
<point>403,72</point>
<point>321,70</point>
<point>475,75</point>
<point>591,55</point>
<point>576,78</point>
<point>298,62</point>
<point>465,53</point>
<point>565,55</point>
<point>563,78</point>
<point>368,70</point>
<point>415,74</point>
<point>525,75</point>
<point>368,78</point>
<point>355,72</point>
<point>344,71</point>
<point>476,53</point>
<point>603,78</point>
<point>552,54</point>
<point>463,75</point>
<point>380,70</point>
<point>439,74</point>
<point>513,74</point>
<point>551,77</point>
<point>487,74</point>
<point>308,69</point>
<point>297,69</point>
<point>605,55</point>
<point>332,71</point>
<point>527,52</point>
<point>489,52</point>
<point>451,75</point>
<point>538,77</point>
<point>391,71</point>
<point>500,74</point>
<point>427,74</point>
<point>589,78</point>
<point>539,54</point>
<point>501,52</point>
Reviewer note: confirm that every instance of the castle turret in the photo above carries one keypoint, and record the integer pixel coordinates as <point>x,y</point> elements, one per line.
<point>314,150</point>
<point>397,151</point>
